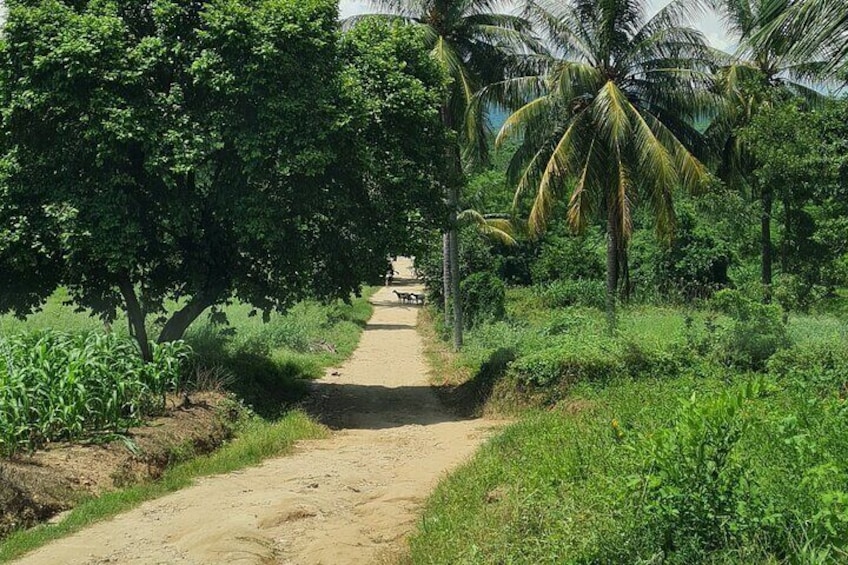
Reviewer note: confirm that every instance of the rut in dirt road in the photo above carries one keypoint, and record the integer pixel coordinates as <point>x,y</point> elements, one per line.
<point>349,499</point>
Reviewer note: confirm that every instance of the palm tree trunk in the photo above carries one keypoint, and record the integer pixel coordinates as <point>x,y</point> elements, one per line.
<point>767,202</point>
<point>612,268</point>
<point>787,235</point>
<point>454,182</point>
<point>454,270</point>
<point>446,275</point>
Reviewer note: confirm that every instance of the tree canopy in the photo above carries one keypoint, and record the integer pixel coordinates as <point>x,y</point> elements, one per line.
<point>158,152</point>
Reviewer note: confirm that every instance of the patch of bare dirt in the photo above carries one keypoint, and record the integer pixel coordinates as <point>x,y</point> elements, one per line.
<point>352,498</point>
<point>36,487</point>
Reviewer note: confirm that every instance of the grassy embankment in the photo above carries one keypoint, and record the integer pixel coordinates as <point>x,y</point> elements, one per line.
<point>263,365</point>
<point>710,436</point>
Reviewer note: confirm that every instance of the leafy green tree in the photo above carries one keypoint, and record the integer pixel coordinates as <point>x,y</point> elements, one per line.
<point>757,76</point>
<point>610,118</point>
<point>801,154</point>
<point>473,43</point>
<point>194,152</point>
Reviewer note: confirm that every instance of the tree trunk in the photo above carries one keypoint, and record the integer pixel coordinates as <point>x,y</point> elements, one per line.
<point>612,267</point>
<point>454,182</point>
<point>767,201</point>
<point>179,322</point>
<point>457,298</point>
<point>624,274</point>
<point>136,319</point>
<point>787,235</point>
<point>446,275</point>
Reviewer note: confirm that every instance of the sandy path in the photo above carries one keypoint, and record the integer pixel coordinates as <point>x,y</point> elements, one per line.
<point>348,499</point>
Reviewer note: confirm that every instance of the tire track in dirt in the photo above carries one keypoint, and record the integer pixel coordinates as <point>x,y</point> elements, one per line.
<point>349,499</point>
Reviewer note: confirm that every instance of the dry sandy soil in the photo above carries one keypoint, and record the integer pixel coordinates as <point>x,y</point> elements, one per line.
<point>348,499</point>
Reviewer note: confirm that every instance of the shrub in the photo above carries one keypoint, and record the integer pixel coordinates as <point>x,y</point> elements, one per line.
<point>483,298</point>
<point>569,362</point>
<point>579,292</point>
<point>793,292</point>
<point>754,333</point>
<point>695,490</point>
<point>823,366</point>
<point>569,257</point>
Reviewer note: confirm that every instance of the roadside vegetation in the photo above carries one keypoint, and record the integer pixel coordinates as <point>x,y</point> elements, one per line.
<point>77,383</point>
<point>710,435</point>
<point>189,191</point>
<point>680,395</point>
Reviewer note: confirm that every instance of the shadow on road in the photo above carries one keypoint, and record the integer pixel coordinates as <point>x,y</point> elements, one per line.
<point>374,407</point>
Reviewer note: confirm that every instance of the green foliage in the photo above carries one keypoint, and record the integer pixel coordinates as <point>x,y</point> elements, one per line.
<point>59,386</point>
<point>694,264</point>
<point>157,152</point>
<point>483,298</point>
<point>820,366</point>
<point>271,360</point>
<point>695,490</point>
<point>579,292</point>
<point>569,257</point>
<point>652,447</point>
<point>755,331</point>
<point>572,361</point>
<point>668,471</point>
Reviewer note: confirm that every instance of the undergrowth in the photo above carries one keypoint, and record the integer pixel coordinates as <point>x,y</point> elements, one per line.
<point>709,435</point>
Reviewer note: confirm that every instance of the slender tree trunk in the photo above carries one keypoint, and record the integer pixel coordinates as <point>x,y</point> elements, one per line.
<point>624,273</point>
<point>767,201</point>
<point>446,275</point>
<point>135,319</point>
<point>454,183</point>
<point>457,298</point>
<point>612,268</point>
<point>787,236</point>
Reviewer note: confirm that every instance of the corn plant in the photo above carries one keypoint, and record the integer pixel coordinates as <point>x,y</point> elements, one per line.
<point>58,386</point>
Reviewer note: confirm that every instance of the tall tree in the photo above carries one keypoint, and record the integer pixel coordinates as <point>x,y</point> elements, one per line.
<point>757,75</point>
<point>817,29</point>
<point>609,120</point>
<point>155,151</point>
<point>473,41</point>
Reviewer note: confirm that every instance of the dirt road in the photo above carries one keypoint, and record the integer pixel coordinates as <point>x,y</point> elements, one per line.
<point>348,499</point>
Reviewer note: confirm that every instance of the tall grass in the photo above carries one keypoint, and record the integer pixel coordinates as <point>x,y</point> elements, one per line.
<point>55,385</point>
<point>716,435</point>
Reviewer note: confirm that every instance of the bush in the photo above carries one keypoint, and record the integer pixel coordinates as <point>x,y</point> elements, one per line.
<point>580,292</point>
<point>822,366</point>
<point>793,292</point>
<point>694,265</point>
<point>569,257</point>
<point>754,333</point>
<point>483,298</point>
<point>695,490</point>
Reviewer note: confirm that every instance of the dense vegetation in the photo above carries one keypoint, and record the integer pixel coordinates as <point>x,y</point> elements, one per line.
<point>671,286</point>
<point>193,152</point>
<point>708,435</point>
<point>61,386</point>
<point>708,425</point>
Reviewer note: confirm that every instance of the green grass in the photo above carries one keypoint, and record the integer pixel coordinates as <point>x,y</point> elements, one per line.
<point>661,444</point>
<point>258,441</point>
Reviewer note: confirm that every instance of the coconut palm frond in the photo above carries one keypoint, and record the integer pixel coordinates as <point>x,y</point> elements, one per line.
<point>496,228</point>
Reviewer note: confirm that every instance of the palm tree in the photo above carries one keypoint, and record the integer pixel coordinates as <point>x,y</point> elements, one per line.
<point>760,73</point>
<point>817,29</point>
<point>608,121</point>
<point>473,41</point>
